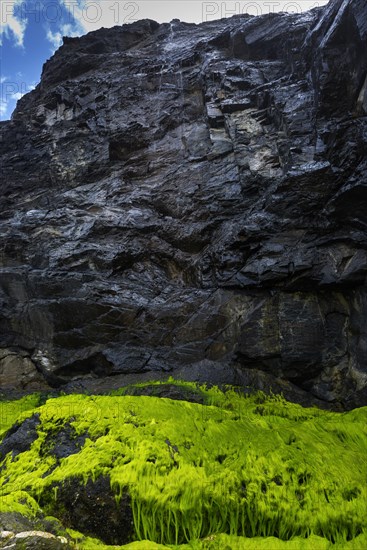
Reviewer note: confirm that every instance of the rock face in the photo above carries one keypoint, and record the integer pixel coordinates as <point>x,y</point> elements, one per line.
<point>190,199</point>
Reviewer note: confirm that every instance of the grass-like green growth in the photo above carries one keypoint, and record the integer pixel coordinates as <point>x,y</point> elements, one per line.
<point>234,472</point>
<point>230,542</point>
<point>10,411</point>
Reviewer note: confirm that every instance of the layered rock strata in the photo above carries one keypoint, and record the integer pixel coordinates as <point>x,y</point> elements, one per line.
<point>190,200</point>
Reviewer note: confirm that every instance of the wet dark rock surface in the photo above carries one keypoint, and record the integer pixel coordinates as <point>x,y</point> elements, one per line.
<point>63,442</point>
<point>190,200</point>
<point>92,509</point>
<point>20,437</point>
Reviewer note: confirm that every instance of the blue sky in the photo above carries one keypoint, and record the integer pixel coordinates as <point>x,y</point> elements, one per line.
<point>31,30</point>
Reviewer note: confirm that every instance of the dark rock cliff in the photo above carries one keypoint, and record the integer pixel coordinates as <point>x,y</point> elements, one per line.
<point>190,199</point>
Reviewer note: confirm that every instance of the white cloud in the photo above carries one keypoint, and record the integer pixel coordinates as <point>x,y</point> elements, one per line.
<point>92,15</point>
<point>17,95</point>
<point>55,38</point>
<point>3,79</point>
<point>75,9</point>
<point>10,25</point>
<point>3,107</point>
<point>9,96</point>
<point>24,89</point>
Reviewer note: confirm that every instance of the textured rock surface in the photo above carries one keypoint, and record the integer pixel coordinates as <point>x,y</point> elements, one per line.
<point>191,200</point>
<point>16,531</point>
<point>20,437</point>
<point>32,540</point>
<point>91,508</point>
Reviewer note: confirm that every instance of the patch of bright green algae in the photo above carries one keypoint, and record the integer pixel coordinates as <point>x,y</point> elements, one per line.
<point>227,542</point>
<point>11,411</point>
<point>89,543</point>
<point>230,542</point>
<point>21,502</point>
<point>236,472</point>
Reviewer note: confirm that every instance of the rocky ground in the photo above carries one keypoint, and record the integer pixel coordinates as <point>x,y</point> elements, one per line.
<point>190,200</point>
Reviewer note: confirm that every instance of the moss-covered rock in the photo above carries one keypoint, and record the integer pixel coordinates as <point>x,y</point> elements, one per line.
<point>170,472</point>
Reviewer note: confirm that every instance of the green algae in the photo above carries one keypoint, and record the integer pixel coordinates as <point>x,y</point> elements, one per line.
<point>258,470</point>
<point>89,543</point>
<point>10,411</point>
<point>83,542</point>
<point>228,542</point>
<point>21,502</point>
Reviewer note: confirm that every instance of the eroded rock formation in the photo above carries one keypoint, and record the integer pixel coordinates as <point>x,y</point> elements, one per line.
<point>190,199</point>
